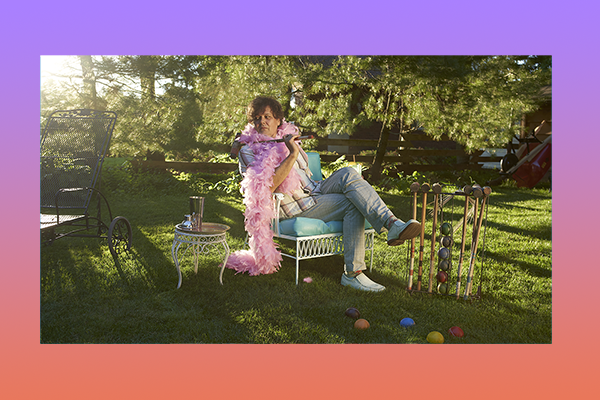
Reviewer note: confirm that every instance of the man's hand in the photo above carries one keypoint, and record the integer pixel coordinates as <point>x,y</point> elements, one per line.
<point>291,144</point>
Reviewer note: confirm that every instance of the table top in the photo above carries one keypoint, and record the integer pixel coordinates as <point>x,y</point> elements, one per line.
<point>208,228</point>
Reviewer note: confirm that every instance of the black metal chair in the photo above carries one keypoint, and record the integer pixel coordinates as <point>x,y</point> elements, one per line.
<point>73,146</point>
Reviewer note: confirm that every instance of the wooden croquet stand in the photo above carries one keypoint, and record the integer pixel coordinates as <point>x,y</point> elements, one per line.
<point>430,265</point>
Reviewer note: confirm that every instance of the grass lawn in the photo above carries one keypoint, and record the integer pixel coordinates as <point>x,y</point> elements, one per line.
<point>86,299</point>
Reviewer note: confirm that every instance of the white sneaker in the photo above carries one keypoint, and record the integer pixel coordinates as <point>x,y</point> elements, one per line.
<point>401,231</point>
<point>361,282</point>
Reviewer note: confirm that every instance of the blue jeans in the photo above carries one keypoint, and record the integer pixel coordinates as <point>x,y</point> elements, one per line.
<point>346,196</point>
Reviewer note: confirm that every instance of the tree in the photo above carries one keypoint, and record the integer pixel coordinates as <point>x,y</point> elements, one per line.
<point>475,101</point>
<point>164,120</point>
<point>187,105</point>
<point>90,98</point>
<point>229,86</point>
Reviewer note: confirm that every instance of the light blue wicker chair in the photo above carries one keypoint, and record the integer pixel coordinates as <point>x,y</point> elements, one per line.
<point>313,237</point>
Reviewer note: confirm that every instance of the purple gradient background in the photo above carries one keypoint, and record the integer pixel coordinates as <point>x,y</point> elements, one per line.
<point>565,368</point>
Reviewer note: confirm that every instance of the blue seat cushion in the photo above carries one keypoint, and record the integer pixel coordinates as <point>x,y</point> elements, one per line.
<point>301,226</point>
<point>314,164</point>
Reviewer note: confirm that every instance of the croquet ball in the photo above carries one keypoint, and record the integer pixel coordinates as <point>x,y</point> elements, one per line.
<point>444,265</point>
<point>435,337</point>
<point>443,288</point>
<point>361,324</point>
<point>446,228</point>
<point>456,332</point>
<point>407,322</point>
<point>446,241</point>
<point>443,253</point>
<point>352,313</point>
<point>442,276</point>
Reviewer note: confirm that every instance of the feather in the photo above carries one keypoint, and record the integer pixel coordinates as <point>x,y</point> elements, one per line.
<point>263,256</point>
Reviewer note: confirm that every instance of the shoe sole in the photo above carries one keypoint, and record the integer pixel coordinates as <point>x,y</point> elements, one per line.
<point>363,288</point>
<point>409,232</point>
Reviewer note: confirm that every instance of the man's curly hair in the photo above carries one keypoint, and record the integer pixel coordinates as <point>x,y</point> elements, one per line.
<point>259,104</point>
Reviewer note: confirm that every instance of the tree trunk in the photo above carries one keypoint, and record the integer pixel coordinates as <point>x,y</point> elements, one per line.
<point>90,99</point>
<point>381,149</point>
<point>147,68</point>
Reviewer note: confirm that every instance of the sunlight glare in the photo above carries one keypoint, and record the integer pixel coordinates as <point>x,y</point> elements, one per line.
<point>52,67</point>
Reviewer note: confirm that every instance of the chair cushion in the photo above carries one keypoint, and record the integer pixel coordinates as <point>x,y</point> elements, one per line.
<point>301,226</point>
<point>314,164</point>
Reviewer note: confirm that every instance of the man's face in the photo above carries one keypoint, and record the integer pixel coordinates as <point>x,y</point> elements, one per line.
<point>265,123</point>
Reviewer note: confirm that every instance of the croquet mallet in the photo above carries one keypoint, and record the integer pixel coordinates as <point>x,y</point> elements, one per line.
<point>477,220</point>
<point>424,189</point>
<point>467,191</point>
<point>437,189</point>
<point>414,188</point>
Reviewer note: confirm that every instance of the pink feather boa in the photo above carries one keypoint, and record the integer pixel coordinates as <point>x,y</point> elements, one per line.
<point>263,256</point>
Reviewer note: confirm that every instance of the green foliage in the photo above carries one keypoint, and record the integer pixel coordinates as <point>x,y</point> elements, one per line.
<point>328,168</point>
<point>185,106</point>
<point>399,182</point>
<point>168,125</point>
<point>230,185</point>
<point>476,101</point>
<point>231,83</point>
<point>124,179</point>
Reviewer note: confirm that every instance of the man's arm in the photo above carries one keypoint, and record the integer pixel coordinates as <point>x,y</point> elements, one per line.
<point>246,158</point>
<point>286,166</point>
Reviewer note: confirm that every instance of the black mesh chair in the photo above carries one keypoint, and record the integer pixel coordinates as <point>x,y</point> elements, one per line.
<point>72,150</point>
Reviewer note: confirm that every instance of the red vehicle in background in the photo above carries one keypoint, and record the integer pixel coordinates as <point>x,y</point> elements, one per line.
<point>532,161</point>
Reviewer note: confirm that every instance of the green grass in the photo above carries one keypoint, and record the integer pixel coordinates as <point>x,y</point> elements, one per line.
<point>86,299</point>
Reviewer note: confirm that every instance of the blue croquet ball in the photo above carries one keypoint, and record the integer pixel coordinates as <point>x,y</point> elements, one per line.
<point>407,322</point>
<point>443,253</point>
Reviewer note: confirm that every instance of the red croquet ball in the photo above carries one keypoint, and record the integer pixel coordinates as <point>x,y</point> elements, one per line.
<point>361,324</point>
<point>442,276</point>
<point>352,313</point>
<point>456,332</point>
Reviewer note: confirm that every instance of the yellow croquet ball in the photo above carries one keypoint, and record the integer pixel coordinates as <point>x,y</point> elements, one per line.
<point>435,337</point>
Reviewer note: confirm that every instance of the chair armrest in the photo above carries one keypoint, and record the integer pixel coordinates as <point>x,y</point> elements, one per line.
<point>277,197</point>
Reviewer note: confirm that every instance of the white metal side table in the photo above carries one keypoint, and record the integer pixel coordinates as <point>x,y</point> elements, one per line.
<point>211,236</point>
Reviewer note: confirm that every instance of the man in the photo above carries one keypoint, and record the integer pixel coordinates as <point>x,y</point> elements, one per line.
<point>344,196</point>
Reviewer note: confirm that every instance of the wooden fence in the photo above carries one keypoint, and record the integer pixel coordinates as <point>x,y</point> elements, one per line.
<point>416,152</point>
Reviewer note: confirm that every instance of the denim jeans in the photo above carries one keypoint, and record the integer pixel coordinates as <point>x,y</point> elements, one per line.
<point>346,196</point>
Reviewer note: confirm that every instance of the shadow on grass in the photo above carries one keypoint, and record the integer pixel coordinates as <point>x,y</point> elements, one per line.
<point>542,232</point>
<point>530,268</point>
